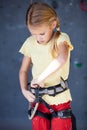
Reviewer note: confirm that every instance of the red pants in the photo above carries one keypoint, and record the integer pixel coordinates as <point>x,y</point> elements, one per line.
<point>40,123</point>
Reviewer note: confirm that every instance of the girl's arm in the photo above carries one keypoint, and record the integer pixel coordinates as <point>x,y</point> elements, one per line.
<point>23,78</point>
<point>56,64</point>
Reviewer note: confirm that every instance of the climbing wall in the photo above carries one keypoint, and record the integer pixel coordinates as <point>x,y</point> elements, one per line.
<point>13,32</point>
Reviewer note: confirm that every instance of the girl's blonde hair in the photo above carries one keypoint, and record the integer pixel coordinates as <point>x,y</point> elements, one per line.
<point>41,13</point>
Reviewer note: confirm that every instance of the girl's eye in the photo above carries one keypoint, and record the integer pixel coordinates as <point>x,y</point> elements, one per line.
<point>42,34</point>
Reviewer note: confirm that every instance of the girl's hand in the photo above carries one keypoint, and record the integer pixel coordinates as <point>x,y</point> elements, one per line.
<point>35,83</point>
<point>28,95</point>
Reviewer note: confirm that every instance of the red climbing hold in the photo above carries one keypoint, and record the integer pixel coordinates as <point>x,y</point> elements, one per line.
<point>83,5</point>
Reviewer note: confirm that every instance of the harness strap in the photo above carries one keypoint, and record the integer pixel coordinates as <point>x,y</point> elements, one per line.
<point>53,114</point>
<point>60,114</point>
<point>44,115</point>
<point>63,114</point>
<point>52,90</point>
<point>47,105</point>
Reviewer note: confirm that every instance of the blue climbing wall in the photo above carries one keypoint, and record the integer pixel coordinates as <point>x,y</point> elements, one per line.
<point>13,32</point>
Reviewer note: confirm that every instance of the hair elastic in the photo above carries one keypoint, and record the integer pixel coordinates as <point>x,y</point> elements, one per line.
<point>58,29</point>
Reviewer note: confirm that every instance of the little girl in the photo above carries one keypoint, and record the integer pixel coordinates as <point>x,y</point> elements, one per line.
<point>48,50</point>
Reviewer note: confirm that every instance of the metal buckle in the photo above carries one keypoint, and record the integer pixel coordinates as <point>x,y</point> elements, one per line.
<point>46,91</point>
<point>60,114</point>
<point>51,110</point>
<point>64,114</point>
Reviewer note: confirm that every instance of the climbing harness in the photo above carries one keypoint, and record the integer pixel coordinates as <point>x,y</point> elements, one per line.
<point>52,91</point>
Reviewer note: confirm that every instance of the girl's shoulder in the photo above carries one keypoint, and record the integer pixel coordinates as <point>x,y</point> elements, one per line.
<point>64,37</point>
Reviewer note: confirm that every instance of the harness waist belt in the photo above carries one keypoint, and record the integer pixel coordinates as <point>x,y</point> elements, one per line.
<point>52,91</point>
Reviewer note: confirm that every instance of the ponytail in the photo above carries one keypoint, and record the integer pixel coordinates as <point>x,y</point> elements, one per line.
<point>54,46</point>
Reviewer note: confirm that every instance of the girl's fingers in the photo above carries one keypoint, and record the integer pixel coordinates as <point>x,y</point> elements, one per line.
<point>34,85</point>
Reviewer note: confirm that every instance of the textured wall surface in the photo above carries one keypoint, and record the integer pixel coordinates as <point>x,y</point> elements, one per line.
<point>13,32</point>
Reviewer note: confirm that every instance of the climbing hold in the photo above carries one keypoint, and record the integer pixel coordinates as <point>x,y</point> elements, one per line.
<point>83,5</point>
<point>78,64</point>
<point>55,4</point>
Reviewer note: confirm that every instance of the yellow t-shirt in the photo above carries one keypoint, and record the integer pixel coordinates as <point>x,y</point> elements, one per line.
<point>41,58</point>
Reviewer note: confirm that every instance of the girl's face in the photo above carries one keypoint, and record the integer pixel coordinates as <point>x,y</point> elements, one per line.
<point>42,34</point>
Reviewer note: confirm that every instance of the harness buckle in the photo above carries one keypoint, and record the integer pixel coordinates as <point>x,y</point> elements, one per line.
<point>46,91</point>
<point>60,114</point>
<point>64,113</point>
<point>54,90</point>
<point>51,110</point>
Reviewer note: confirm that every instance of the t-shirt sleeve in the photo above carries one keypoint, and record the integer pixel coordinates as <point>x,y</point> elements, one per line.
<point>25,48</point>
<point>65,38</point>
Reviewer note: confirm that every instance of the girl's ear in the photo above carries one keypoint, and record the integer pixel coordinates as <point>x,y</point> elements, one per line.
<point>54,25</point>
